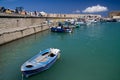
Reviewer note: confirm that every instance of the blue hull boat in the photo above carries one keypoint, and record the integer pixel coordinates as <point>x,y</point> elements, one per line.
<point>42,61</point>
<point>60,29</point>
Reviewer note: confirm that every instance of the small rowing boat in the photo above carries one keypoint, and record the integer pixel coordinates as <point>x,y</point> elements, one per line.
<point>40,62</point>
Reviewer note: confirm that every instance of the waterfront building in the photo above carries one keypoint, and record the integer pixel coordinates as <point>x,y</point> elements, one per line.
<point>114,14</point>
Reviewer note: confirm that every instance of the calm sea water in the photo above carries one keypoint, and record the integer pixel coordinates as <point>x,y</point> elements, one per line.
<point>89,53</point>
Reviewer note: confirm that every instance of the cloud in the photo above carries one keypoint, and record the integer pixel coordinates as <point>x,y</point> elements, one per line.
<point>77,11</point>
<point>94,9</point>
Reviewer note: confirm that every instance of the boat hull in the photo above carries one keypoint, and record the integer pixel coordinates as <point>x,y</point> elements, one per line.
<point>53,29</point>
<point>35,71</point>
<point>57,30</point>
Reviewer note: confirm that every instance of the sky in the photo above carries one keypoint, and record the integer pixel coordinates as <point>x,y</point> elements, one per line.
<point>102,7</point>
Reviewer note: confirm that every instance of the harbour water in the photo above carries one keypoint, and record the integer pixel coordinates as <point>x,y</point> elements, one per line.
<point>89,53</point>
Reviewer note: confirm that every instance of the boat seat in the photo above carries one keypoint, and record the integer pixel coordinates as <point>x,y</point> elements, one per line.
<point>42,58</point>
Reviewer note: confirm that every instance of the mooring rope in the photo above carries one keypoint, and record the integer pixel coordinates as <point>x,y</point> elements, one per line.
<point>22,76</point>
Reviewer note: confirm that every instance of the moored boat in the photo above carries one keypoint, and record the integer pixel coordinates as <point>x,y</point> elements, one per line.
<point>40,62</point>
<point>80,23</point>
<point>61,29</point>
<point>77,25</point>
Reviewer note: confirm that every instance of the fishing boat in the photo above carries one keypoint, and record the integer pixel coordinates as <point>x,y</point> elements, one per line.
<point>40,62</point>
<point>80,23</point>
<point>61,29</point>
<point>77,25</point>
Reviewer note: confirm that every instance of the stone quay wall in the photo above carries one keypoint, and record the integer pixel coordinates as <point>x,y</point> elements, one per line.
<point>12,28</point>
<point>15,26</point>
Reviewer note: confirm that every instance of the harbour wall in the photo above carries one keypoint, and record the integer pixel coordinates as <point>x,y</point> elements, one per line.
<point>15,26</point>
<point>12,28</point>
